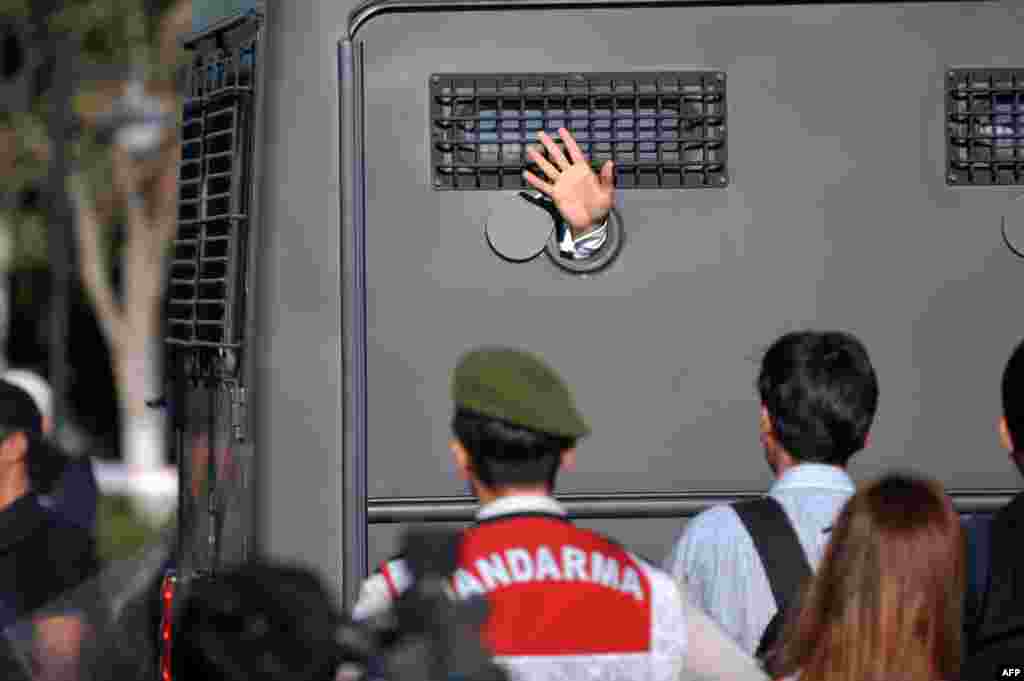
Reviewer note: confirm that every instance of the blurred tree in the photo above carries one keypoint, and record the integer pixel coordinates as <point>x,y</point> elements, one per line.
<point>91,87</point>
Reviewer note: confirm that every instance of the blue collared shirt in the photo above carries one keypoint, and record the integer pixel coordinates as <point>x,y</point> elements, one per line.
<point>716,560</point>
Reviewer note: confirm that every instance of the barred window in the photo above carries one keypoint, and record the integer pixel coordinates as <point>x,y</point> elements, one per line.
<point>985,120</point>
<point>662,130</point>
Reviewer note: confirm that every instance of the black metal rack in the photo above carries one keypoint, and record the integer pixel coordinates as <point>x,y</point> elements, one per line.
<point>985,121</point>
<point>662,130</point>
<point>207,312</point>
<point>206,297</point>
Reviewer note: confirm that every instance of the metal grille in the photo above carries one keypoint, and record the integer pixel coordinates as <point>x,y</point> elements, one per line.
<point>985,119</point>
<point>662,130</point>
<point>205,301</point>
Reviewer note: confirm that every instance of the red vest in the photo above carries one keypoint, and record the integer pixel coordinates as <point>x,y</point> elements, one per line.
<point>554,588</point>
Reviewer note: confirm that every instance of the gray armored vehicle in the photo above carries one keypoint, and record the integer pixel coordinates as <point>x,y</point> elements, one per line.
<point>351,186</point>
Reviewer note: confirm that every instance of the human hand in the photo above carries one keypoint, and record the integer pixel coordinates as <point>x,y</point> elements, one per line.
<point>581,196</point>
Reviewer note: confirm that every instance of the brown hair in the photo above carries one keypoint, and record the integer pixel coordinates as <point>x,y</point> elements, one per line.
<point>886,603</point>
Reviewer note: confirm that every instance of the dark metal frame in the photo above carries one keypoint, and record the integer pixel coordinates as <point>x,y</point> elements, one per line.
<point>353,258</point>
<point>221,363</point>
<point>675,138</point>
<point>214,218</point>
<point>977,154</point>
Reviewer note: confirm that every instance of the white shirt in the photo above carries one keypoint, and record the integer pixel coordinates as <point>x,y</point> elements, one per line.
<point>586,245</point>
<point>715,558</point>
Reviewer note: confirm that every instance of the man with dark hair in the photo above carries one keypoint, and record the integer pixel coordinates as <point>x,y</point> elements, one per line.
<point>995,602</point>
<point>42,556</point>
<point>75,494</point>
<point>818,393</point>
<point>565,602</point>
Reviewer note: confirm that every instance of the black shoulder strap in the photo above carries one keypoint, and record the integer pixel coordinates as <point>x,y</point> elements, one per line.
<point>778,546</point>
<point>978,530</point>
<point>1003,602</point>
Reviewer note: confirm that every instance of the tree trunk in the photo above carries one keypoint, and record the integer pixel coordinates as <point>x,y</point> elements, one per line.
<point>144,421</point>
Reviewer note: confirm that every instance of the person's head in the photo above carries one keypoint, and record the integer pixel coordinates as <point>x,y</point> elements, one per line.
<point>38,389</point>
<point>819,394</point>
<point>23,453</point>
<point>257,622</point>
<point>886,602</point>
<point>1011,425</point>
<point>515,422</point>
<point>20,422</point>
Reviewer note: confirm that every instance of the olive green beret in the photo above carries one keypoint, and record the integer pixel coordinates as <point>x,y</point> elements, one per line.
<point>516,387</point>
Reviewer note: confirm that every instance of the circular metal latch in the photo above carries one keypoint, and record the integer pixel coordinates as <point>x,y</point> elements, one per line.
<point>596,262</point>
<point>518,228</point>
<point>1013,227</point>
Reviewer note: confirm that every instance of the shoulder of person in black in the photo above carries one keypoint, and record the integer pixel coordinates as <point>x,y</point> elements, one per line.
<point>42,555</point>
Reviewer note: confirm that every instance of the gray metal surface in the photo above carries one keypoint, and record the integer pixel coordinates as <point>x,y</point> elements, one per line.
<point>838,216</point>
<point>297,419</point>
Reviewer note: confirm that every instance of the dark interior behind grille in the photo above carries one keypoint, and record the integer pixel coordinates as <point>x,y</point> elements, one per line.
<point>985,121</point>
<point>662,130</point>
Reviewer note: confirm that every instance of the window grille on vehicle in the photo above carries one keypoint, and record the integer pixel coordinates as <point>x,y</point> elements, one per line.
<point>985,120</point>
<point>662,130</point>
<point>205,303</point>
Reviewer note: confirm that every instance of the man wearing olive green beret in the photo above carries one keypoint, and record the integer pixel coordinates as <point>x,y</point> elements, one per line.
<point>565,602</point>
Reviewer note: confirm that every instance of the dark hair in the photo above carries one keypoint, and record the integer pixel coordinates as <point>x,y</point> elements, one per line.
<point>886,602</point>
<point>821,394</point>
<point>1013,396</point>
<point>504,454</point>
<point>259,622</point>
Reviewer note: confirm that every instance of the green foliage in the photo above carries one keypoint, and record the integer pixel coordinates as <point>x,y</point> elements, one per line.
<point>14,8</point>
<point>30,135</point>
<point>121,532</point>
<point>111,32</point>
<point>114,31</point>
<point>26,221</point>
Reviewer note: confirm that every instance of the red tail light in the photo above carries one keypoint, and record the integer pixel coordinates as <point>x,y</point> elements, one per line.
<point>166,624</point>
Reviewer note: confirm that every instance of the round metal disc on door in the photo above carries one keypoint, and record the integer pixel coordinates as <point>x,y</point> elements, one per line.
<point>516,228</point>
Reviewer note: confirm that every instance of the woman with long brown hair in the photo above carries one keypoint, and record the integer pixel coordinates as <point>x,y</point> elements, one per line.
<point>886,602</point>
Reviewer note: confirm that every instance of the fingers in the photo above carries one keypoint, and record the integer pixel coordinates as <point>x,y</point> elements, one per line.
<point>545,165</point>
<point>553,149</point>
<point>574,150</point>
<point>608,174</point>
<point>538,183</point>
